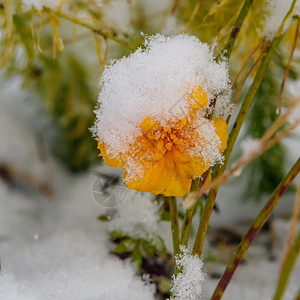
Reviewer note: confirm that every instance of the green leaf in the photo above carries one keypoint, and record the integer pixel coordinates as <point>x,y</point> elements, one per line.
<point>123,246</point>
<point>104,218</point>
<point>165,215</point>
<point>158,243</point>
<point>117,234</point>
<point>148,247</point>
<point>137,256</point>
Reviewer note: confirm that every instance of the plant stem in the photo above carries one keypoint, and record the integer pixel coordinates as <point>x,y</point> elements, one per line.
<point>236,29</point>
<point>188,217</point>
<point>210,201</point>
<point>251,93</point>
<point>203,225</point>
<point>298,295</point>
<point>105,34</point>
<point>287,268</point>
<point>174,223</point>
<point>254,230</point>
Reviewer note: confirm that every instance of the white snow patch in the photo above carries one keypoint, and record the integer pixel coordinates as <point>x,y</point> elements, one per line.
<point>224,107</point>
<point>188,284</point>
<point>54,248</point>
<point>250,146</point>
<point>276,10</point>
<point>171,26</point>
<point>118,13</point>
<point>137,217</point>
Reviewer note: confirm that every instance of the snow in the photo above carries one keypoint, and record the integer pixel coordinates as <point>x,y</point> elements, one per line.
<point>156,82</point>
<point>188,284</point>
<point>171,27</point>
<point>54,248</point>
<point>224,107</point>
<point>276,11</point>
<point>39,4</point>
<point>137,217</point>
<point>250,146</point>
<point>208,143</point>
<point>117,13</point>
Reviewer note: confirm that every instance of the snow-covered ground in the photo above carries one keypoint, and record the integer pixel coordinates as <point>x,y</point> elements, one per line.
<point>55,248</point>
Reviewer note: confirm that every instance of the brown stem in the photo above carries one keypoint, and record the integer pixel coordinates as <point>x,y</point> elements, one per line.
<point>254,230</point>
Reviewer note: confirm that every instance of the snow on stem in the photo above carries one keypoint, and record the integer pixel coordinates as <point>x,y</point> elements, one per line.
<point>254,230</point>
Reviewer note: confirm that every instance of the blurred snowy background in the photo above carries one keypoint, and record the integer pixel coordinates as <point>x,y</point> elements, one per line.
<point>52,244</point>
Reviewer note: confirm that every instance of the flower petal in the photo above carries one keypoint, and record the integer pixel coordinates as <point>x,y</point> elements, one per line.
<point>197,99</point>
<point>221,131</point>
<point>162,177</point>
<point>109,160</point>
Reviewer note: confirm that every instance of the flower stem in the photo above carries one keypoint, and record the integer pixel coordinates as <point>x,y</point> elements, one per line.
<point>210,201</point>
<point>287,268</point>
<point>254,230</point>
<point>236,29</point>
<point>203,225</point>
<point>188,217</point>
<point>103,33</point>
<point>174,223</point>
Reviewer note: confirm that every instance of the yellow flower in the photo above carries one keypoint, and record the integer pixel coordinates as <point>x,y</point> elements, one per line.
<point>166,157</point>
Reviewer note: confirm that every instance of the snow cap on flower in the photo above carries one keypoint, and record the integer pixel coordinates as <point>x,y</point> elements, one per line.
<point>187,284</point>
<point>151,115</point>
<point>152,82</point>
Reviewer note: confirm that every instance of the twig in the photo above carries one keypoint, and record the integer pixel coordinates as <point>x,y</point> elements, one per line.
<point>174,6</point>
<point>9,173</point>
<point>214,187</point>
<point>260,45</point>
<point>254,230</point>
<point>293,227</point>
<point>192,17</point>
<point>252,92</point>
<point>263,147</point>
<point>287,268</point>
<point>289,63</point>
<point>239,92</point>
<point>210,201</point>
<point>89,26</point>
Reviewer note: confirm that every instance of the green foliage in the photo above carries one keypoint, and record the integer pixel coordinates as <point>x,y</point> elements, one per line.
<point>65,85</point>
<point>69,96</point>
<point>137,248</point>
